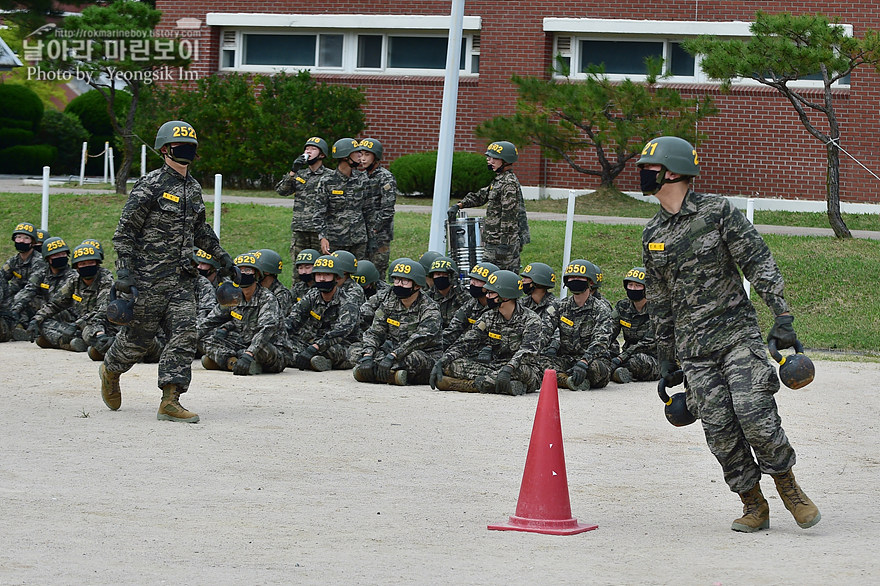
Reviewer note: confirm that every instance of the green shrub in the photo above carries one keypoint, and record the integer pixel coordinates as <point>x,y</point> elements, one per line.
<point>20,107</point>
<point>415,173</point>
<point>28,159</point>
<point>91,108</point>
<point>15,136</point>
<point>64,131</point>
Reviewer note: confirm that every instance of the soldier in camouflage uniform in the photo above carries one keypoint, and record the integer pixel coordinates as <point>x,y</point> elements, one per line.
<point>302,182</point>
<point>324,324</point>
<point>303,279</point>
<point>468,314</point>
<point>506,229</point>
<point>20,266</point>
<point>7,321</point>
<point>270,265</point>
<point>42,236</point>
<point>538,279</point>
<point>446,289</point>
<point>375,290</point>
<point>509,329</point>
<point>43,283</point>
<point>402,345</point>
<point>638,358</point>
<point>248,338</point>
<point>382,188</point>
<point>702,315</point>
<point>348,263</point>
<point>161,222</point>
<point>206,292</point>
<point>344,210</point>
<point>582,361</point>
<point>426,259</point>
<point>80,297</point>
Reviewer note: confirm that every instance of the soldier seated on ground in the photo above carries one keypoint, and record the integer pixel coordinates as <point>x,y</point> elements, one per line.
<point>26,260</point>
<point>402,343</point>
<point>584,325</point>
<point>271,265</point>
<point>467,314</point>
<point>538,280</point>
<point>426,259</point>
<point>638,359</point>
<point>349,263</point>
<point>446,289</point>
<point>248,338</point>
<point>323,324</point>
<point>7,321</point>
<point>512,334</point>
<point>43,283</point>
<point>303,279</point>
<point>375,290</point>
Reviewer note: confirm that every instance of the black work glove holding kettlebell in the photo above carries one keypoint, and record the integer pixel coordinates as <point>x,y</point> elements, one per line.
<point>124,281</point>
<point>383,369</point>
<point>783,332</point>
<point>304,358</point>
<point>671,373</point>
<point>436,374</point>
<point>578,373</point>
<point>243,365</point>
<point>502,381</point>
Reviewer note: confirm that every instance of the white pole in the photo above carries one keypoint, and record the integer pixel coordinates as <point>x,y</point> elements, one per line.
<point>82,163</point>
<point>44,216</point>
<point>569,228</point>
<point>218,189</point>
<point>106,159</point>
<point>143,160</point>
<point>446,143</point>
<point>112,168</point>
<point>750,215</point>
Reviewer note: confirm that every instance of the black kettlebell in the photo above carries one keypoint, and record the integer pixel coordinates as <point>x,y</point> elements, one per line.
<point>676,409</point>
<point>795,370</point>
<point>121,311</point>
<point>229,293</point>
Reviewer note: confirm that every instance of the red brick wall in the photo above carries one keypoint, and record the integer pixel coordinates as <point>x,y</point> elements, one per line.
<point>756,146</point>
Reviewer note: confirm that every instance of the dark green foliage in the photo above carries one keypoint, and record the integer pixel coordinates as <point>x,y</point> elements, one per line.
<point>415,173</point>
<point>91,109</point>
<point>15,136</point>
<point>20,107</point>
<point>64,131</point>
<point>26,158</point>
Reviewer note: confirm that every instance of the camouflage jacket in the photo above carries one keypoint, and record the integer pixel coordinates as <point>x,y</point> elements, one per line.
<point>382,189</point>
<point>258,321</point>
<point>344,210</point>
<point>298,288</point>
<point>325,323</point>
<point>163,219</point>
<point>41,286</point>
<point>408,329</point>
<point>304,187</point>
<point>698,303</point>
<point>283,296</point>
<point>18,272</point>
<point>369,307</point>
<point>450,303</point>
<point>637,328</point>
<point>548,310</point>
<point>466,316</point>
<point>5,305</point>
<point>206,299</point>
<point>584,332</point>
<point>506,221</point>
<point>511,340</point>
<point>351,289</point>
<point>86,303</point>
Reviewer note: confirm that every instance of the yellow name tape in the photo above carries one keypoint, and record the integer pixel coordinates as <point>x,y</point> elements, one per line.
<point>236,315</point>
<point>472,321</point>
<point>171,196</point>
<point>393,322</point>
<point>565,320</point>
<point>494,336</point>
<point>656,246</point>
<point>315,315</point>
<point>44,285</point>
<point>625,324</point>
<point>338,192</point>
<point>76,298</point>
<point>17,275</point>
<point>300,179</point>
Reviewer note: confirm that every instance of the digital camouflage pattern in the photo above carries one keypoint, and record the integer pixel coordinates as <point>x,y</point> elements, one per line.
<point>639,352</point>
<point>40,287</point>
<point>515,342</point>
<point>7,323</point>
<point>331,325</point>
<point>368,308</point>
<point>206,299</point>
<point>345,212</point>
<point>351,289</point>
<point>450,303</point>
<point>465,317</point>
<point>548,310</point>
<point>306,222</point>
<point>298,289</point>
<point>382,190</point>
<point>283,296</point>
<point>17,271</point>
<point>82,303</point>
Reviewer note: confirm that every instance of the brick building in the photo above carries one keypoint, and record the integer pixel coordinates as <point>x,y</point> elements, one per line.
<point>396,52</point>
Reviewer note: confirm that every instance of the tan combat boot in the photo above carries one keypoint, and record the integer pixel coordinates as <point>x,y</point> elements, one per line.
<point>799,505</point>
<point>209,363</point>
<point>110,390</point>
<point>399,378</point>
<point>448,383</point>
<point>95,355</point>
<point>170,408</point>
<point>756,511</point>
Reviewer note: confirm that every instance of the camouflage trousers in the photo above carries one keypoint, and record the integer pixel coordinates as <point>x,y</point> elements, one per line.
<point>300,241</point>
<point>272,358</point>
<point>417,364</point>
<point>642,366</point>
<point>379,257</point>
<point>337,353</point>
<point>167,305</point>
<point>359,250</point>
<point>598,371</point>
<point>59,332</point>
<point>484,375</point>
<point>732,394</point>
<point>505,256</point>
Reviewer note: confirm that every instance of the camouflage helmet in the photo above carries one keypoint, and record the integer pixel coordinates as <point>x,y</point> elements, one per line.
<point>366,274</point>
<point>507,284</point>
<point>317,141</point>
<point>503,150</point>
<point>346,260</point>
<point>27,229</point>
<point>541,274</point>
<point>635,275</point>
<point>247,259</point>
<point>269,261</point>
<point>96,244</point>
<point>175,131</point>
<point>583,268</point>
<point>200,256</point>
<point>85,252</point>
<point>371,145</point>
<point>482,270</point>
<point>329,264</point>
<point>306,256</point>
<point>443,264</point>
<point>343,147</point>
<point>428,258</point>
<point>673,153</point>
<point>53,245</point>
<point>407,268</point>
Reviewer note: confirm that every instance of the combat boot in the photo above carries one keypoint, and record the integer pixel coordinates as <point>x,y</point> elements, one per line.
<point>399,378</point>
<point>622,375</point>
<point>95,355</point>
<point>756,511</point>
<point>364,375</point>
<point>209,363</point>
<point>43,342</point>
<point>77,345</point>
<point>19,334</point>
<point>320,363</point>
<point>448,383</point>
<point>799,504</point>
<point>110,391</point>
<point>584,386</point>
<point>170,408</point>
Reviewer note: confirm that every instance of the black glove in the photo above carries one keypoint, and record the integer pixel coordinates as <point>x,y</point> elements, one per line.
<point>671,373</point>
<point>367,363</point>
<point>549,351</point>
<point>227,267</point>
<point>304,358</point>
<point>33,330</point>
<point>436,375</point>
<point>783,332</point>
<point>299,162</point>
<point>124,281</point>
<point>103,343</point>
<point>243,365</point>
<point>502,380</point>
<point>616,362</point>
<point>485,355</point>
<point>578,373</point>
<point>221,334</point>
<point>452,211</point>
<point>383,369</point>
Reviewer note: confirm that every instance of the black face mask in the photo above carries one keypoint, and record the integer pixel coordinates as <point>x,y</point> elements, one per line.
<point>59,262</point>
<point>205,272</point>
<point>88,272</point>
<point>23,246</point>
<point>247,280</point>
<point>493,302</point>
<point>635,294</point>
<point>306,277</point>
<point>370,291</point>
<point>577,286</point>
<point>183,153</point>
<point>491,168</point>
<point>476,291</point>
<point>648,181</point>
<point>528,288</point>
<point>441,282</point>
<point>402,292</point>
<point>325,286</point>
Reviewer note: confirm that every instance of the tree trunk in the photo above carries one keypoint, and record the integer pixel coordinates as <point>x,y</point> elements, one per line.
<point>832,182</point>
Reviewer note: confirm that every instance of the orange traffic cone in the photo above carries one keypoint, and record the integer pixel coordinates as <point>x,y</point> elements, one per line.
<point>543,505</point>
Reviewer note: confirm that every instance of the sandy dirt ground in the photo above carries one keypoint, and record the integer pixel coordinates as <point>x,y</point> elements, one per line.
<point>313,478</point>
